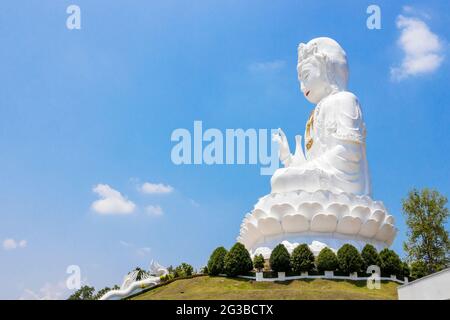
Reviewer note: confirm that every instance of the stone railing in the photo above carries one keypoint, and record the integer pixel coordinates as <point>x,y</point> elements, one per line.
<point>328,275</point>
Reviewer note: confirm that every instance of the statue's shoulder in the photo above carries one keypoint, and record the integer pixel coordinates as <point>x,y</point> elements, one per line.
<point>343,99</point>
<point>344,115</point>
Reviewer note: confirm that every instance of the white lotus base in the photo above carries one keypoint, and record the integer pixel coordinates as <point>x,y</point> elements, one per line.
<point>319,219</point>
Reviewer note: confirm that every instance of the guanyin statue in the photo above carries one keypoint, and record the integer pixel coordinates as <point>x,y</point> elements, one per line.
<point>322,196</point>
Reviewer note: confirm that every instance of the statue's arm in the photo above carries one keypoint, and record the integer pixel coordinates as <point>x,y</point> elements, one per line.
<point>346,133</point>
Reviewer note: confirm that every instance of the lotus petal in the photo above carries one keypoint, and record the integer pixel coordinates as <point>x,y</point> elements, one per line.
<point>269,226</point>
<point>323,222</point>
<point>370,228</point>
<point>349,225</point>
<point>309,209</point>
<point>295,223</point>
<point>361,212</point>
<point>279,210</point>
<point>339,210</point>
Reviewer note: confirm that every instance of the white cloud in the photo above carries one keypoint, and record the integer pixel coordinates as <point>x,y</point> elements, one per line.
<point>154,210</point>
<point>267,66</point>
<point>49,291</point>
<point>152,188</point>
<point>11,244</point>
<point>421,47</point>
<point>111,202</point>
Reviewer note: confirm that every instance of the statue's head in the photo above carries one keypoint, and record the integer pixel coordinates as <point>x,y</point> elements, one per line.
<point>322,68</point>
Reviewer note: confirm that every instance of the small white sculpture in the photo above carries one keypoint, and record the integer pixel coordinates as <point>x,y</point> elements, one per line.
<point>322,195</point>
<point>131,285</point>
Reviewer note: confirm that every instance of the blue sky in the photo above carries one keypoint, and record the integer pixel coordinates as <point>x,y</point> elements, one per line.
<point>98,105</point>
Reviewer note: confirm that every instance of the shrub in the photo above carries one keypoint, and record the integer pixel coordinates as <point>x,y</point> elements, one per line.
<point>166,277</point>
<point>183,270</point>
<point>237,261</point>
<point>280,259</point>
<point>215,262</point>
<point>406,271</point>
<point>390,262</point>
<point>349,259</point>
<point>258,262</point>
<point>302,259</point>
<point>370,256</point>
<point>418,269</point>
<point>327,260</point>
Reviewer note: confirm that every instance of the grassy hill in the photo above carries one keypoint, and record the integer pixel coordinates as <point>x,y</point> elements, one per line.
<point>214,288</point>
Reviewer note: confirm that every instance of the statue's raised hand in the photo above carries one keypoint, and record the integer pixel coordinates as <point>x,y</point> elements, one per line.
<point>284,152</point>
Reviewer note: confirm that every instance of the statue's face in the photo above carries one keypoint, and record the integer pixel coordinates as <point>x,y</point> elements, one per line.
<point>313,80</point>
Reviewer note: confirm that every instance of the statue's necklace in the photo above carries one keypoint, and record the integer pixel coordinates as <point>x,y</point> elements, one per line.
<point>309,126</point>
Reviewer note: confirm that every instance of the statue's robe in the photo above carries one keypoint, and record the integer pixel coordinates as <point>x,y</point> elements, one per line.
<point>335,151</point>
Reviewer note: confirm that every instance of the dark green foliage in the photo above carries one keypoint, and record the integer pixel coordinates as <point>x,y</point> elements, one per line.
<point>327,260</point>
<point>302,259</point>
<point>258,262</point>
<point>280,259</point>
<point>370,257</point>
<point>183,270</point>
<point>215,262</point>
<point>405,270</point>
<point>349,259</point>
<point>390,262</point>
<point>84,293</point>
<point>418,269</point>
<point>237,261</point>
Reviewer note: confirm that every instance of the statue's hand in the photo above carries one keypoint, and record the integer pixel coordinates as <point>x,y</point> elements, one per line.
<point>299,157</point>
<point>280,138</point>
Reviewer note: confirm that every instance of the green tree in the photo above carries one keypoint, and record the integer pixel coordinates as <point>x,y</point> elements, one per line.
<point>302,259</point>
<point>428,240</point>
<point>215,262</point>
<point>327,260</point>
<point>370,256</point>
<point>280,259</point>
<point>84,293</point>
<point>405,269</point>
<point>237,261</point>
<point>258,262</point>
<point>349,259</point>
<point>418,269</point>
<point>390,262</point>
<point>183,270</point>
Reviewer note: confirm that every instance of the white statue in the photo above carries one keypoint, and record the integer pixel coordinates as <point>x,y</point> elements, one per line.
<point>322,196</point>
<point>335,158</point>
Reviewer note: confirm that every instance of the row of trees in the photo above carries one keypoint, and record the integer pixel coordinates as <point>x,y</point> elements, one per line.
<point>348,259</point>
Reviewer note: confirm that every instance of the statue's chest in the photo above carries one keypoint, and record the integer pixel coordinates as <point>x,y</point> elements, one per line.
<point>320,125</point>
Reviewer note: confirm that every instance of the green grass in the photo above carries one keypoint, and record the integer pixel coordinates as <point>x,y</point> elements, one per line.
<point>215,288</point>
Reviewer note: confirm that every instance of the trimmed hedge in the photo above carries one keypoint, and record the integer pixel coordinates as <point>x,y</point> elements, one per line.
<point>349,259</point>
<point>370,256</point>
<point>258,262</point>
<point>237,261</point>
<point>302,259</point>
<point>327,260</point>
<point>390,262</point>
<point>215,262</point>
<point>280,259</point>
